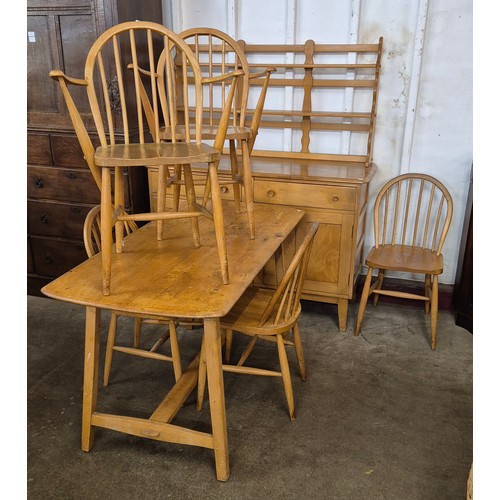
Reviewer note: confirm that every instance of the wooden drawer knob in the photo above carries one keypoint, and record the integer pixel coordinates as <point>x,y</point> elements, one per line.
<point>335,198</point>
<point>224,189</point>
<point>271,193</point>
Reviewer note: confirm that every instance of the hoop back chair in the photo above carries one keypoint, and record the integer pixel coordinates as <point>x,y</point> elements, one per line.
<point>218,54</point>
<point>412,216</point>
<point>92,242</point>
<point>269,315</point>
<point>120,123</point>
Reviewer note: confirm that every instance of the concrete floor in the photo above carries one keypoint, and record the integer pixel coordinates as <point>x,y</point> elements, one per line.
<point>381,416</point>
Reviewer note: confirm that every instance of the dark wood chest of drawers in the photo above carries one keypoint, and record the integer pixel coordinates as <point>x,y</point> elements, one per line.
<point>60,187</point>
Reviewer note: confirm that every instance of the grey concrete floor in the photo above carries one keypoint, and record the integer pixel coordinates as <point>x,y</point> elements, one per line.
<point>380,416</point>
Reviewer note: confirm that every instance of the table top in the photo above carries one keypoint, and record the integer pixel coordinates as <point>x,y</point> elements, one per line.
<point>173,278</point>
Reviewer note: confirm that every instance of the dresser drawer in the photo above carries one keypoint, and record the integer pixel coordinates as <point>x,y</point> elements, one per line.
<point>304,195</point>
<point>62,184</point>
<point>53,257</point>
<point>47,218</point>
<point>38,149</point>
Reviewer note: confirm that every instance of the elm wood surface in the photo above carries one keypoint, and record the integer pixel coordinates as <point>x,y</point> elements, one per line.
<point>171,278</point>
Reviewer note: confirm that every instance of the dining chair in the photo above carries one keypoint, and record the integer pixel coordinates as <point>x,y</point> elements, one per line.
<point>117,110</point>
<point>92,242</point>
<point>412,216</point>
<point>269,315</point>
<point>218,54</point>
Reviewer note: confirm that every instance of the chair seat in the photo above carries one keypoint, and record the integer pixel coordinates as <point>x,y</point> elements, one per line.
<point>405,258</point>
<point>246,314</point>
<point>153,154</point>
<point>208,132</point>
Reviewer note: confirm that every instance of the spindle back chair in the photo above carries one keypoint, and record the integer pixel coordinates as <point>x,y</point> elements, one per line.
<point>92,242</point>
<point>412,217</point>
<point>122,125</point>
<point>269,315</point>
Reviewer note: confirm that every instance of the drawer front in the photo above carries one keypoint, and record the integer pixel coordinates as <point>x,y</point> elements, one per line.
<point>62,184</point>
<point>67,151</point>
<point>56,219</point>
<point>53,257</point>
<point>304,195</point>
<point>38,149</point>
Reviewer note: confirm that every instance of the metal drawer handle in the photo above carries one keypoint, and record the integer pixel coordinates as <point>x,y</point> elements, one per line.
<point>49,258</point>
<point>335,198</point>
<point>38,182</point>
<point>44,219</point>
<point>71,175</point>
<point>271,193</point>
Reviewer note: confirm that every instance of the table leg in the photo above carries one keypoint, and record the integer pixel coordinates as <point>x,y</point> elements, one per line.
<point>216,396</point>
<point>90,373</point>
<point>342,306</point>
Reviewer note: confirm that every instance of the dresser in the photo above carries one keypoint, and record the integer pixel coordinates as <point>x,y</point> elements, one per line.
<point>60,188</point>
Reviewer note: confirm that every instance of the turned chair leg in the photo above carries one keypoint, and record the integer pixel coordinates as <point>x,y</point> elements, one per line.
<point>285,375</point>
<point>434,312</point>
<point>160,201</point>
<point>202,376</point>
<point>234,173</point>
<point>228,344</point>
<point>299,352</point>
<point>137,332</point>
<point>378,286</point>
<point>109,347</point>
<point>363,300</point>
<point>428,293</point>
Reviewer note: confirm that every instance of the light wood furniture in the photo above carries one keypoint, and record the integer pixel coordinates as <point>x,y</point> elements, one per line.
<point>268,315</point>
<point>322,134</point>
<point>141,42</point>
<point>174,279</point>
<point>219,54</point>
<point>60,187</point>
<point>412,216</point>
<point>92,241</point>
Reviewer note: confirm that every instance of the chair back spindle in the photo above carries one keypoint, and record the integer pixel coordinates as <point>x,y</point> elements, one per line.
<point>415,210</point>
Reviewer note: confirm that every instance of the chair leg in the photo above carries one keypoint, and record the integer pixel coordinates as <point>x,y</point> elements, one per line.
<point>248,186</point>
<point>363,300</point>
<point>235,173</point>
<point>137,332</point>
<point>219,223</point>
<point>428,293</point>
<point>299,352</point>
<point>109,347</point>
<point>106,230</point>
<point>378,285</point>
<point>160,201</point>
<point>228,344</point>
<point>191,200</point>
<point>119,208</point>
<point>434,312</point>
<point>285,374</point>
<point>202,376</point>
<point>176,187</point>
<point>174,347</point>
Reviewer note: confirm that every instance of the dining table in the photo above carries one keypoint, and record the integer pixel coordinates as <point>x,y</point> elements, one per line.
<point>172,278</point>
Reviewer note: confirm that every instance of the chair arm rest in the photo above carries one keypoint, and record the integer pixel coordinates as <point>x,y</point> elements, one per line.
<point>220,78</point>
<point>257,74</point>
<point>143,71</point>
<point>57,74</point>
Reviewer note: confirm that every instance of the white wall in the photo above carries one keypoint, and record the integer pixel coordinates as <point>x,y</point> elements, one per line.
<point>424,115</point>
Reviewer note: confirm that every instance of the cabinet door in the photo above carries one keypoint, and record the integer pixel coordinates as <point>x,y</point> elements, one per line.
<point>330,265</point>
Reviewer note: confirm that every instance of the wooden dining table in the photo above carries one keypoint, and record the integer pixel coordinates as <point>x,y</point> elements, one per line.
<point>172,278</point>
